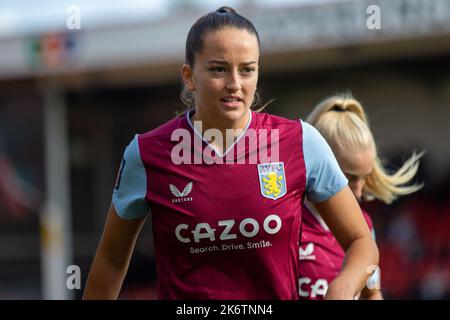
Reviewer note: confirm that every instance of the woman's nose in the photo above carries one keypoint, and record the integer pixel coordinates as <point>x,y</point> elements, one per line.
<point>234,82</point>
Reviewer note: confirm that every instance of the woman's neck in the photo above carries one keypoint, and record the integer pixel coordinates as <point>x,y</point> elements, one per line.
<point>238,126</point>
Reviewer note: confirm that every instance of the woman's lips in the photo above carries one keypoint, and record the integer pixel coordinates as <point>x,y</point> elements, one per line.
<point>231,102</point>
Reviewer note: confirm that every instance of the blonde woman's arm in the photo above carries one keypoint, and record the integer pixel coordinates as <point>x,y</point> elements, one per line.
<point>343,216</point>
<point>371,294</point>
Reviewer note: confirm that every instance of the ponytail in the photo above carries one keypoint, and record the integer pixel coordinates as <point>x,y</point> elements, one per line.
<point>343,123</point>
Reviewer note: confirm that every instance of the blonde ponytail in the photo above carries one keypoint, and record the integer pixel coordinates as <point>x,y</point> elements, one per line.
<point>343,123</point>
<point>387,187</point>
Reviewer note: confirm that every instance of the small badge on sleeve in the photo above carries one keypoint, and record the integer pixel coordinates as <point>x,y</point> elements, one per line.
<point>119,175</point>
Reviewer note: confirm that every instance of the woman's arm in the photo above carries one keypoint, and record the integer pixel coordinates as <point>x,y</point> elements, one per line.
<point>113,256</point>
<point>343,215</point>
<point>371,294</point>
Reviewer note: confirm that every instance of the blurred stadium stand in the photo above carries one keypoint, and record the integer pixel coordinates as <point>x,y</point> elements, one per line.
<point>93,89</point>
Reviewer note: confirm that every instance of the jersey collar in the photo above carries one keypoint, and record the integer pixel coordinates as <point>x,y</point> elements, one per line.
<point>199,134</point>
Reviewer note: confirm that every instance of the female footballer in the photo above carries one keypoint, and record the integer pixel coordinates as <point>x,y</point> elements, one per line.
<point>226,216</point>
<point>342,122</point>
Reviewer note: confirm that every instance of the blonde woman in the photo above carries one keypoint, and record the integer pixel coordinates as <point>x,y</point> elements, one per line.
<point>342,122</point>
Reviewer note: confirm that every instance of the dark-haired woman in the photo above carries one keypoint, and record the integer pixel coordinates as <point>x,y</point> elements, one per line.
<point>223,186</point>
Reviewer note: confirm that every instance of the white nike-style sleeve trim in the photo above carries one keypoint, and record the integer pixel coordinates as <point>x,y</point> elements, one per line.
<point>324,177</point>
<point>131,185</point>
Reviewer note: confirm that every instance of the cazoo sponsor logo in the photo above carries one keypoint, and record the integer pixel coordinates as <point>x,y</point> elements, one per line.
<point>248,228</point>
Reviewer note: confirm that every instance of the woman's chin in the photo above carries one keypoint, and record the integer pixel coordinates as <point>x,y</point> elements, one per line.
<point>234,114</point>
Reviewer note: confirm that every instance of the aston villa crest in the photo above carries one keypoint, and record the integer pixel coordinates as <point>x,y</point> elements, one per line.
<point>272,180</point>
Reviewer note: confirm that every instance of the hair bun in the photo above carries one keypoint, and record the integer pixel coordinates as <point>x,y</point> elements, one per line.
<point>225,9</point>
<point>338,108</point>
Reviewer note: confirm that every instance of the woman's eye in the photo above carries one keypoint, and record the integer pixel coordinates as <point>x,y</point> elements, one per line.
<point>248,70</point>
<point>217,69</point>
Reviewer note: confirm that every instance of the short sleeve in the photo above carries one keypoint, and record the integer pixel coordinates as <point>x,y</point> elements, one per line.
<point>131,184</point>
<point>324,177</point>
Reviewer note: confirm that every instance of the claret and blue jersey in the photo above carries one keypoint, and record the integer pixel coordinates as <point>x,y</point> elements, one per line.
<point>321,255</point>
<point>231,230</point>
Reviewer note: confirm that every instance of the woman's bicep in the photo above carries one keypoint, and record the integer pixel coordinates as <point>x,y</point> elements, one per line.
<point>343,216</point>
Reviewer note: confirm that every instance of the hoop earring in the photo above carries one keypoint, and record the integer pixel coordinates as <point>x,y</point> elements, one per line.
<point>186,97</point>
<point>256,99</point>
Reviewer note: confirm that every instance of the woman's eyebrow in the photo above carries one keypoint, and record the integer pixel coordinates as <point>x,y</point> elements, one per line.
<point>218,62</point>
<point>223,62</point>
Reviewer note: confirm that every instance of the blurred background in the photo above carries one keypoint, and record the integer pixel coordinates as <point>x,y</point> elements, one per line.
<point>79,78</point>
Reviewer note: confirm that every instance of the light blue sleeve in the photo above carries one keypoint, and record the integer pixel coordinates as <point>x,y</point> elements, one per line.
<point>131,185</point>
<point>324,177</point>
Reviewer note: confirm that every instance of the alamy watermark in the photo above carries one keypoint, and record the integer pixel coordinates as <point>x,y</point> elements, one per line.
<point>373,21</point>
<point>74,279</point>
<point>262,146</point>
<point>73,21</point>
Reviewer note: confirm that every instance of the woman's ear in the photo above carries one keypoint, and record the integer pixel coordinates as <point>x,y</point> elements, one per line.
<point>186,74</point>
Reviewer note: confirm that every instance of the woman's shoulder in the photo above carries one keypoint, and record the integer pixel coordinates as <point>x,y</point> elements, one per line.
<point>267,119</point>
<point>164,130</point>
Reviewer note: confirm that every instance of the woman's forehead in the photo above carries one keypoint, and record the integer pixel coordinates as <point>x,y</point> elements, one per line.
<point>357,162</point>
<point>230,41</point>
